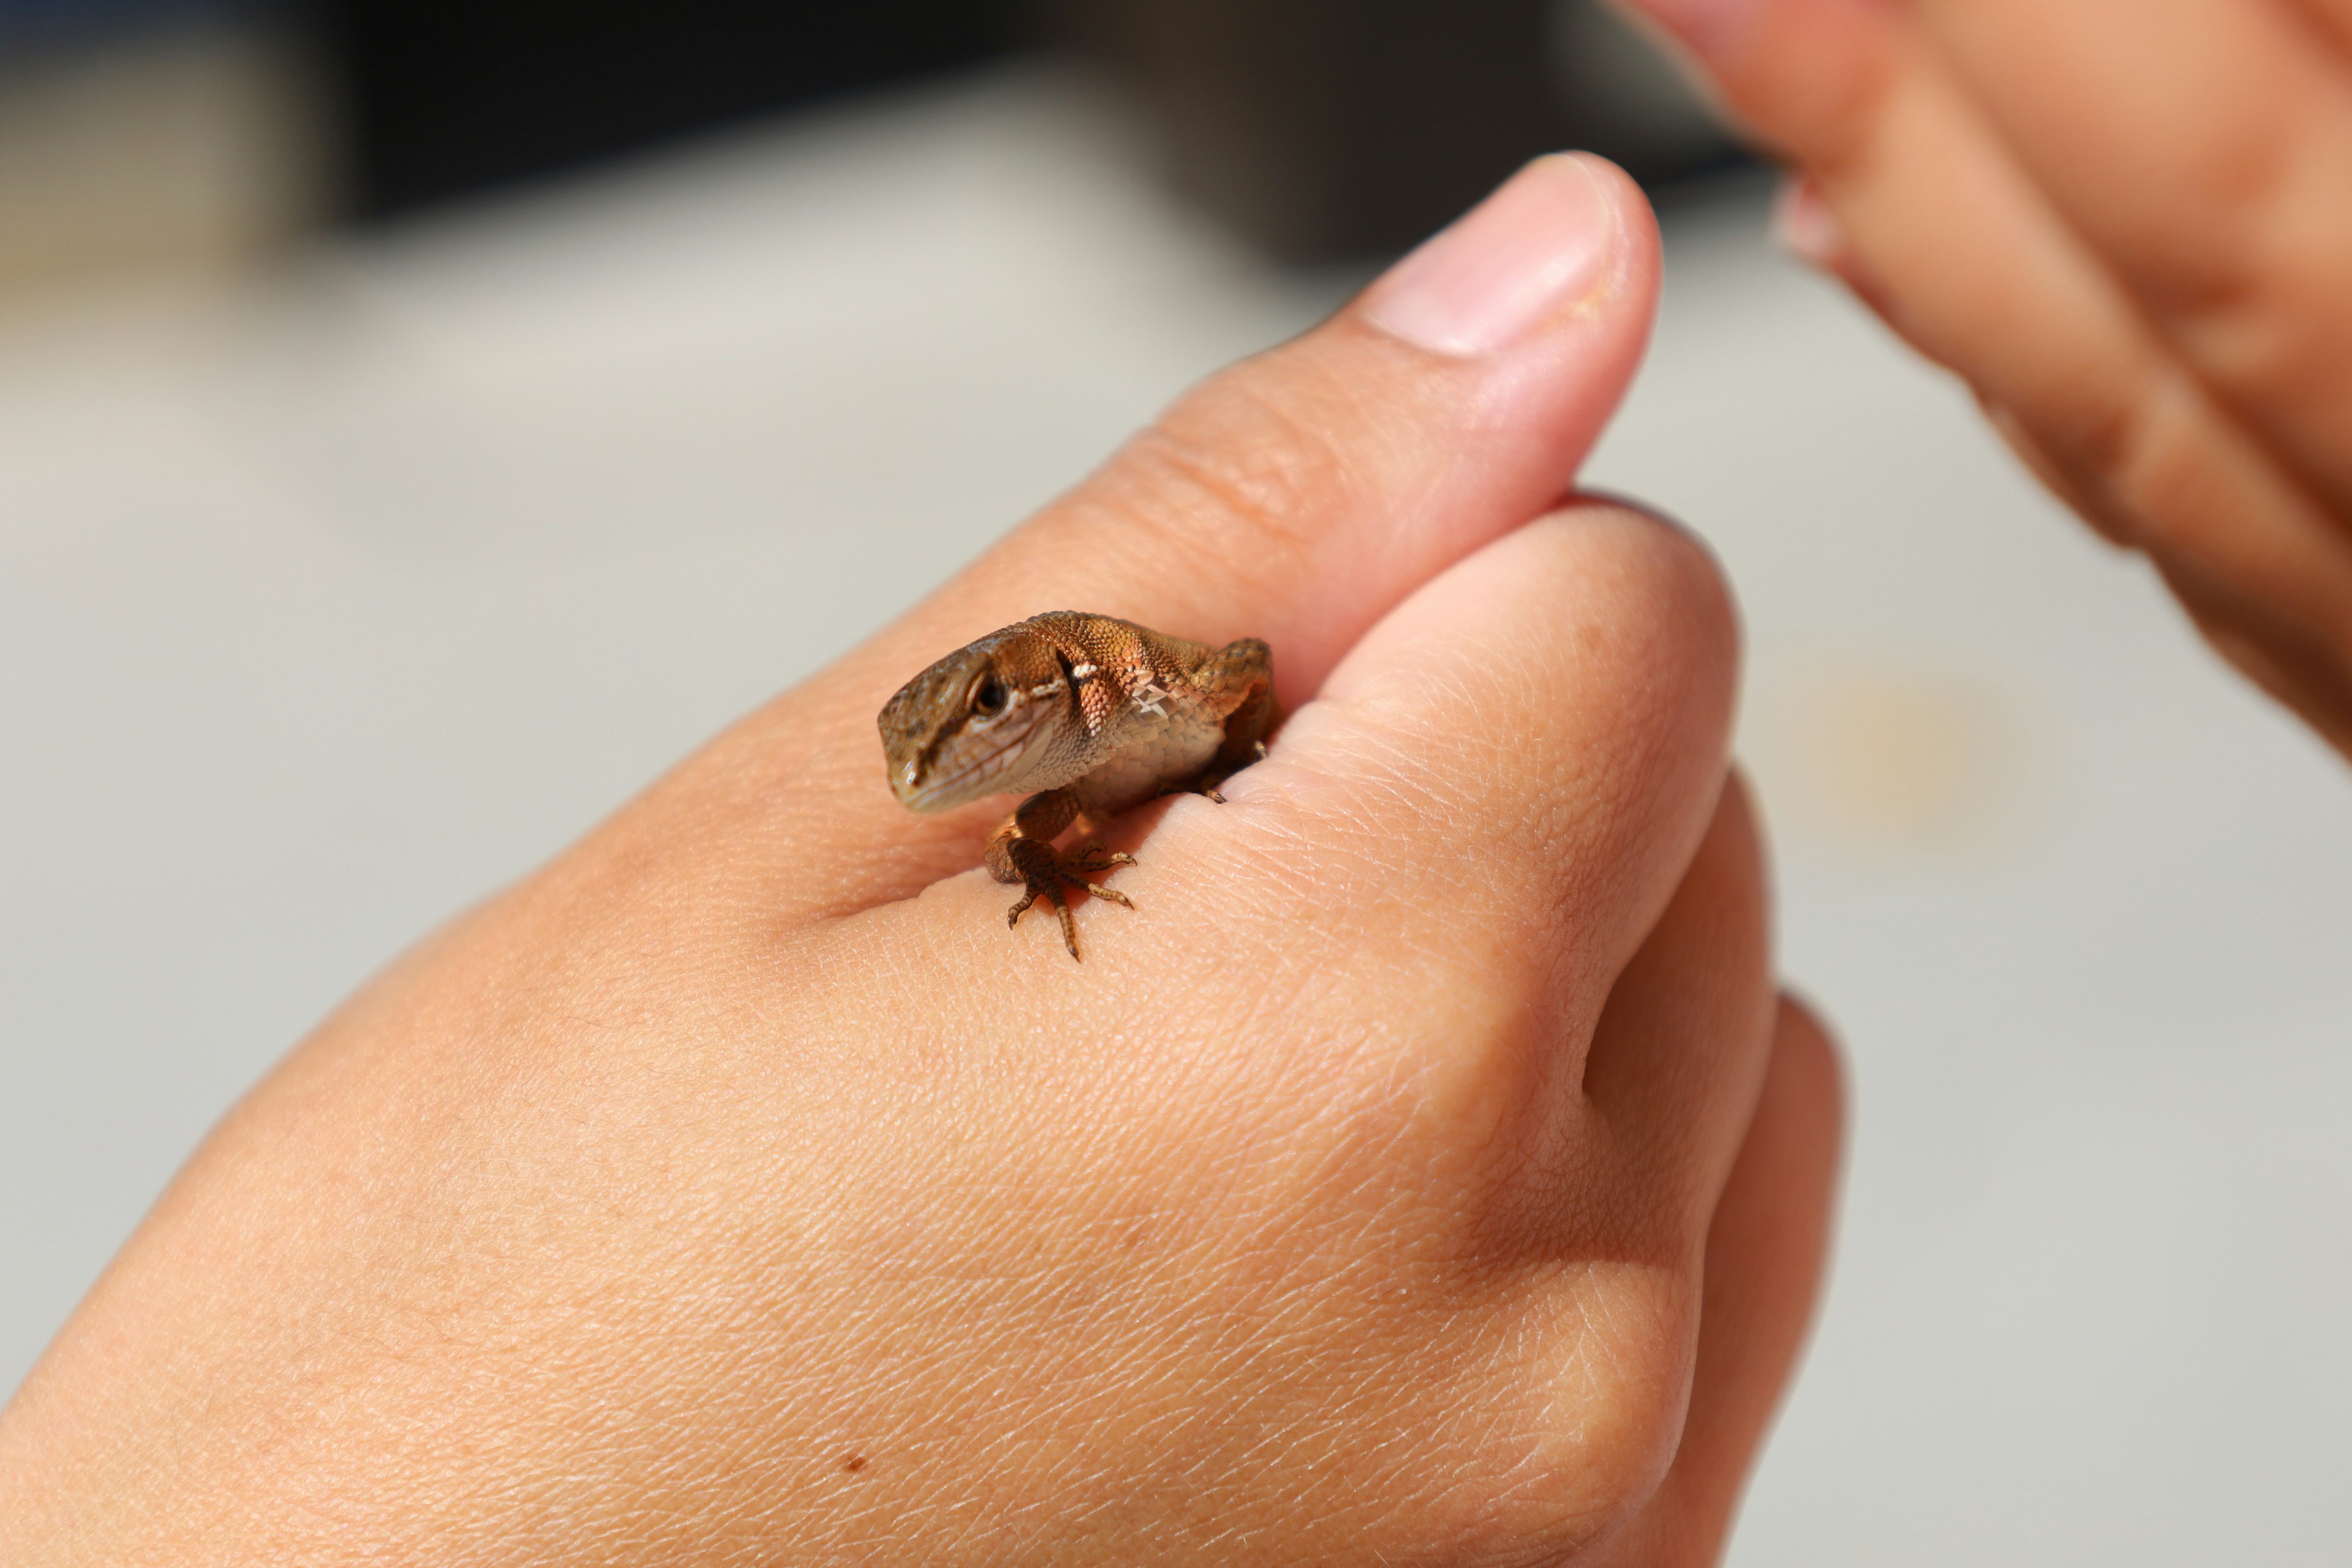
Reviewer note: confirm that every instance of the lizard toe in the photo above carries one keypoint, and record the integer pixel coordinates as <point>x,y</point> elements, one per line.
<point>1091,859</point>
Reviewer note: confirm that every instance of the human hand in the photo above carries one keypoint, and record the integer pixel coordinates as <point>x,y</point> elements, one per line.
<point>2128,224</point>
<point>1425,1170</point>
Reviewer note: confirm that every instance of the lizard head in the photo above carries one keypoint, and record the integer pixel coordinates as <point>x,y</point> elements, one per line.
<point>976,723</point>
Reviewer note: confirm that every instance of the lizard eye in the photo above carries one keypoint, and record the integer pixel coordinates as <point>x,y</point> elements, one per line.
<point>988,697</point>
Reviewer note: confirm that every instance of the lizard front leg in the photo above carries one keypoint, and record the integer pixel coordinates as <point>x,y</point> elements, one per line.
<point>1022,850</point>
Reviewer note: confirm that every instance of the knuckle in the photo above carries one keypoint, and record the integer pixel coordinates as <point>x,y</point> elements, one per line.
<point>1252,451</point>
<point>1587,1435</point>
<point>2123,430</point>
<point>1663,600</point>
<point>2206,504</point>
<point>2159,462</point>
<point>2208,248</point>
<point>2254,334</point>
<point>2061,472</point>
<point>2162,452</point>
<point>2242,261</point>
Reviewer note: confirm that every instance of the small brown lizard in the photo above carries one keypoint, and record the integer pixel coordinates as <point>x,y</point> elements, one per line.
<point>1095,714</point>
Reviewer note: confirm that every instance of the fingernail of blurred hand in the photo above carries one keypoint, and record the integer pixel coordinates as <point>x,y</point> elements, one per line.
<point>1541,243</point>
<point>1709,27</point>
<point>1804,222</point>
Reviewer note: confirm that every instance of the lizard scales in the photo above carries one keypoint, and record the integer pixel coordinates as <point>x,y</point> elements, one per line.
<point>1093,714</point>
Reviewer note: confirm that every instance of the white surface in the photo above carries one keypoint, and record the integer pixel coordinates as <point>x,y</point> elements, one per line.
<point>326,609</point>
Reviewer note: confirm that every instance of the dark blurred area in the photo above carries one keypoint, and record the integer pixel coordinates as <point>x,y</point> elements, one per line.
<point>1321,128</point>
<point>444,99</point>
<point>1333,128</point>
<point>29,26</point>
<point>210,130</point>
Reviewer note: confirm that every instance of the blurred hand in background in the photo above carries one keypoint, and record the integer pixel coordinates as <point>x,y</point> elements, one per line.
<point>1426,1170</point>
<point>2128,224</point>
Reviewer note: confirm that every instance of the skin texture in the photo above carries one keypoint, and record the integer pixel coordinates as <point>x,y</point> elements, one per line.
<point>1431,1174</point>
<point>2125,224</point>
<point>1097,714</point>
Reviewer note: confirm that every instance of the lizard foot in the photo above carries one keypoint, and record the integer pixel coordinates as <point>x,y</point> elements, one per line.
<point>1052,876</point>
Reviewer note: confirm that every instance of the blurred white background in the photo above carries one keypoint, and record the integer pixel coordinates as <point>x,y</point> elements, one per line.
<point>331,600</point>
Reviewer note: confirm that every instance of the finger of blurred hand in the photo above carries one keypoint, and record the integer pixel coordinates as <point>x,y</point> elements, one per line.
<point>1951,241</point>
<point>1296,497</point>
<point>2203,149</point>
<point>2307,674</point>
<point>1766,1253</point>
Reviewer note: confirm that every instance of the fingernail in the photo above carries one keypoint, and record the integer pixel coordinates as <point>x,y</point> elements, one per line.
<point>1711,28</point>
<point>1541,243</point>
<point>1804,224</point>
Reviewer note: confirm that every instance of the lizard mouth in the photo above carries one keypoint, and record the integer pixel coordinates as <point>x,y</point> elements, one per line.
<point>971,778</point>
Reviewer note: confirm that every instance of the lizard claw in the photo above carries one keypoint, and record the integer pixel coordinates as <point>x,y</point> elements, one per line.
<point>1050,876</point>
<point>1091,858</point>
<point>1061,909</point>
<point>1053,897</point>
<point>1206,786</point>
